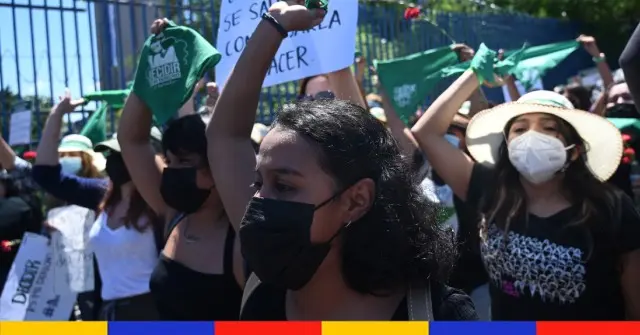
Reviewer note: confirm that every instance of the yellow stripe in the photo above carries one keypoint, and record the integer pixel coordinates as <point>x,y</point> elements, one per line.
<point>376,328</point>
<point>53,328</point>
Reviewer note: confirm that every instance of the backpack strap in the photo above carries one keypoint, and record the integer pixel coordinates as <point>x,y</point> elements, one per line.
<point>252,283</point>
<point>419,302</point>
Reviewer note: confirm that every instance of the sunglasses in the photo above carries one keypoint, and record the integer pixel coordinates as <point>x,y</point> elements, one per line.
<point>324,95</point>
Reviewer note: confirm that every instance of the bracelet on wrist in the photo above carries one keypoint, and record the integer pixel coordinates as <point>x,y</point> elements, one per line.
<point>599,59</point>
<point>272,20</point>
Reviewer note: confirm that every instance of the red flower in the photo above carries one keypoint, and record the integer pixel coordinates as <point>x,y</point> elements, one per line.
<point>629,152</point>
<point>5,246</point>
<point>626,160</point>
<point>29,155</point>
<point>411,13</point>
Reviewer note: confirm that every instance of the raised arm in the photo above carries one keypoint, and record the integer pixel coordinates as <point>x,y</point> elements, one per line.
<point>630,64</point>
<point>85,192</point>
<point>48,146</point>
<point>231,155</point>
<point>589,44</point>
<point>345,87</point>
<point>7,155</point>
<point>138,154</point>
<point>452,165</point>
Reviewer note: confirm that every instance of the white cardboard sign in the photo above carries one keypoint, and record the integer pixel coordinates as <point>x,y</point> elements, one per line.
<point>325,48</point>
<point>72,257</point>
<point>20,127</point>
<point>29,293</point>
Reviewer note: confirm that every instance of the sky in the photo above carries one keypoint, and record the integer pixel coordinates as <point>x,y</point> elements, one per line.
<point>78,74</point>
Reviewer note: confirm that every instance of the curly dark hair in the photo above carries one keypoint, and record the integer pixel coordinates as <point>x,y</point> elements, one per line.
<point>398,241</point>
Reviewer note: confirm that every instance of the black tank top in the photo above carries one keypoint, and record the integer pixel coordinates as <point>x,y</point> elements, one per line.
<point>182,294</point>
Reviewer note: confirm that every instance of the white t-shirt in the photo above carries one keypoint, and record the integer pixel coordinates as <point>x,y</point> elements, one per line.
<point>441,195</point>
<point>125,257</point>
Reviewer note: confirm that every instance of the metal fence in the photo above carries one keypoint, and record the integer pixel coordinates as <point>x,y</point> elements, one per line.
<point>47,45</point>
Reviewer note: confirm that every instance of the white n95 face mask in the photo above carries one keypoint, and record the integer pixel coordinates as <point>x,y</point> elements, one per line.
<point>537,156</point>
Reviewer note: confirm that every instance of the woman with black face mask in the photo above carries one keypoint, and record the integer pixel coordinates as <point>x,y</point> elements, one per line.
<point>200,273</point>
<point>335,228</point>
<point>123,237</point>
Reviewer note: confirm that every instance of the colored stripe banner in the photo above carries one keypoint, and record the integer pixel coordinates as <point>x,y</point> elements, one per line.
<point>320,328</point>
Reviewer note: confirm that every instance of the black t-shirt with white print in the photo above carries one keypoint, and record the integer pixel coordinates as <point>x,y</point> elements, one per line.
<point>551,269</point>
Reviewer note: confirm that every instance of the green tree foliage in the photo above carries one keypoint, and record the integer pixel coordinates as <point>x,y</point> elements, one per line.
<point>609,21</point>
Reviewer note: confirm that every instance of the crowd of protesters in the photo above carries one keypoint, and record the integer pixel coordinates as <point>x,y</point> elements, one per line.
<point>335,210</point>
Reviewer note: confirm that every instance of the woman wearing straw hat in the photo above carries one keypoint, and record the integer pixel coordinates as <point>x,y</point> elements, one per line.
<point>557,242</point>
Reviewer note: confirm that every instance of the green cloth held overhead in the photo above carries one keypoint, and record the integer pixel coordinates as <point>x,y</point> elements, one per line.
<point>540,58</point>
<point>407,80</point>
<point>482,64</point>
<point>113,98</point>
<point>170,65</point>
<point>523,62</point>
<point>96,127</point>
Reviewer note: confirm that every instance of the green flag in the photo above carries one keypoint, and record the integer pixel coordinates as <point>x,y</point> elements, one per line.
<point>407,80</point>
<point>538,59</point>
<point>170,65</point>
<point>96,127</point>
<point>527,64</point>
<point>113,98</point>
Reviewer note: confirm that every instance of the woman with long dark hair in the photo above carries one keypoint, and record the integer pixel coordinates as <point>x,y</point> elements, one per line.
<point>557,242</point>
<point>123,237</point>
<point>335,228</point>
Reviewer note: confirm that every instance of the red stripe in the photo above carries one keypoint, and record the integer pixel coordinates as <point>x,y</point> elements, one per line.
<point>588,328</point>
<point>268,328</point>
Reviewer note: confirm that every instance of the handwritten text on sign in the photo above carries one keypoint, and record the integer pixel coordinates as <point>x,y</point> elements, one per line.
<point>327,47</point>
<point>29,293</point>
<point>71,255</point>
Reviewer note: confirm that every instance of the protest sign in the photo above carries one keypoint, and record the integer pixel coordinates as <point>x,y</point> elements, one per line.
<point>20,127</point>
<point>71,256</point>
<point>325,48</point>
<point>29,292</point>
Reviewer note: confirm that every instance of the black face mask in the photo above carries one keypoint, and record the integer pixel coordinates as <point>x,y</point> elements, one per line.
<point>180,191</point>
<point>275,239</point>
<point>117,170</point>
<point>623,110</point>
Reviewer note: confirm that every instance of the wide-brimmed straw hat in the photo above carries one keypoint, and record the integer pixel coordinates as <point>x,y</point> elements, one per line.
<point>80,143</point>
<point>603,140</point>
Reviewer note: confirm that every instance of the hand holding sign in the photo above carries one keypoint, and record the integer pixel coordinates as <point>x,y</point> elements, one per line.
<point>294,16</point>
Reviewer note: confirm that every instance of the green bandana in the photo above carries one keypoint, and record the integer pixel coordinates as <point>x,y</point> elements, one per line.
<point>529,59</point>
<point>113,98</point>
<point>482,64</point>
<point>407,80</point>
<point>540,58</point>
<point>317,4</point>
<point>96,127</point>
<point>170,65</point>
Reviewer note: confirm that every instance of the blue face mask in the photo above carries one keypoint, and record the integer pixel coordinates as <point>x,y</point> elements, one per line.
<point>453,139</point>
<point>71,165</point>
